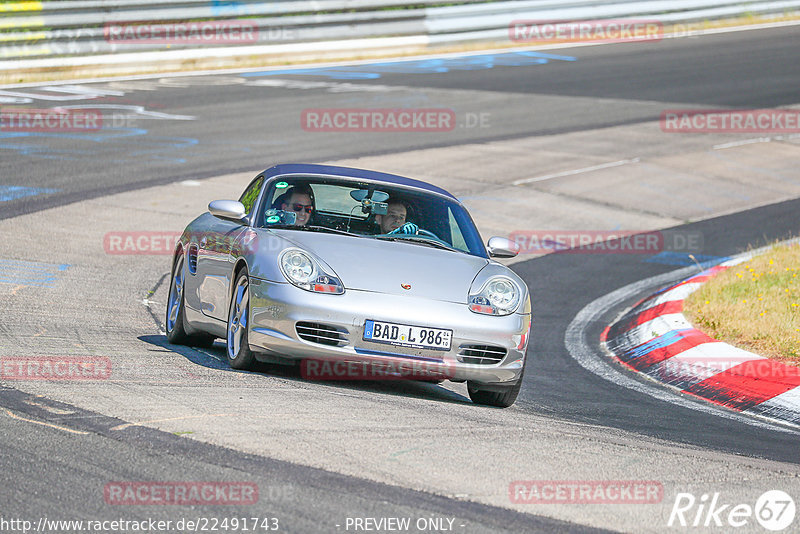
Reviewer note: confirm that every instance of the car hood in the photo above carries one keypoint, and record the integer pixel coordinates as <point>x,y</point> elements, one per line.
<point>368,264</point>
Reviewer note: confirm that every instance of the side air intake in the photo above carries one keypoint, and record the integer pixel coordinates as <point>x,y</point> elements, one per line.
<point>481,354</point>
<point>321,333</point>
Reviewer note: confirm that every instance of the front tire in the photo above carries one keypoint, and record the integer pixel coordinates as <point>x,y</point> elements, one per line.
<point>239,354</point>
<point>175,322</point>
<point>499,397</point>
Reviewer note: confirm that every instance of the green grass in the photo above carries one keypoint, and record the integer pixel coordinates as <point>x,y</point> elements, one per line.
<point>754,305</point>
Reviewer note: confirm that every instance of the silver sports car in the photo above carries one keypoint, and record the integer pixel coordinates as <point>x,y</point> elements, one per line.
<point>352,274</point>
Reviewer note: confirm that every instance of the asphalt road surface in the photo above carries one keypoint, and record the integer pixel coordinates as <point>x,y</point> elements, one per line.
<point>239,124</point>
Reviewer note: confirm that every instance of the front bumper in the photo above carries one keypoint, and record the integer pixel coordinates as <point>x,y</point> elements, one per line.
<point>276,308</point>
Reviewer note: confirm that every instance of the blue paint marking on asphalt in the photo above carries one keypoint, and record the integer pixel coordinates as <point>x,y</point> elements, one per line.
<point>107,134</point>
<point>374,71</point>
<point>664,340</point>
<point>30,273</point>
<point>108,139</point>
<point>43,151</point>
<point>683,259</point>
<point>13,192</point>
<point>26,145</point>
<point>167,143</point>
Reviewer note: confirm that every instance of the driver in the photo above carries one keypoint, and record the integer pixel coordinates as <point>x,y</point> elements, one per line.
<point>300,200</point>
<point>394,221</point>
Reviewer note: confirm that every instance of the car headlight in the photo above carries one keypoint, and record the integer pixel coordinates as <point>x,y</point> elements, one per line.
<point>498,296</point>
<point>303,271</point>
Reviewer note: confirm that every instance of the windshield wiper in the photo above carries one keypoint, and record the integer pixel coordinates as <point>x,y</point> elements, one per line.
<point>417,239</point>
<point>317,228</point>
<point>312,228</point>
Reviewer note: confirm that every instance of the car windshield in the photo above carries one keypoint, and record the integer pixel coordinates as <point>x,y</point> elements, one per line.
<point>370,210</point>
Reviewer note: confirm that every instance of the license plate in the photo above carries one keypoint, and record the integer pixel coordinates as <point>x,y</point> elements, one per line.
<point>404,335</point>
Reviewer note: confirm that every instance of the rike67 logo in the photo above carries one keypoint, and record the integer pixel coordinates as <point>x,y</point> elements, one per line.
<point>774,510</point>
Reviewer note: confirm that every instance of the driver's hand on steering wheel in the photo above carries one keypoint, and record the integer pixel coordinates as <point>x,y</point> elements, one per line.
<point>408,228</point>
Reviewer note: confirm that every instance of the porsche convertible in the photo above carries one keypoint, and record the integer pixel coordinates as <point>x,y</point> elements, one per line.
<point>355,272</point>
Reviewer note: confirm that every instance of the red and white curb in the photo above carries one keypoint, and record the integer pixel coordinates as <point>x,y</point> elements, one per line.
<point>656,339</point>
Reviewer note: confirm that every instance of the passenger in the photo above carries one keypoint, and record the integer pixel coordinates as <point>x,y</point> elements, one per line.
<point>394,221</point>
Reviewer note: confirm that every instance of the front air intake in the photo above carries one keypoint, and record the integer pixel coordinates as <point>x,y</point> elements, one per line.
<point>481,354</point>
<point>321,333</point>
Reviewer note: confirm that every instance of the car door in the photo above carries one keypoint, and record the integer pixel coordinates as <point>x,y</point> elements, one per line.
<point>214,262</point>
<point>215,256</point>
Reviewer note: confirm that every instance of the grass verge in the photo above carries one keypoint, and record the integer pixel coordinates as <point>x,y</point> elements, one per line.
<point>754,305</point>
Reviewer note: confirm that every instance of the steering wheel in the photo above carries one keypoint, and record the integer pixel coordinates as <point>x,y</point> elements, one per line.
<point>427,233</point>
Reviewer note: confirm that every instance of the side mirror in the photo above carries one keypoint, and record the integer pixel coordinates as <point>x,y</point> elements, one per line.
<point>502,247</point>
<point>229,210</point>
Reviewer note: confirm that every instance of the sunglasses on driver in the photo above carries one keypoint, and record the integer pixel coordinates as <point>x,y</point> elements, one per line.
<point>301,207</point>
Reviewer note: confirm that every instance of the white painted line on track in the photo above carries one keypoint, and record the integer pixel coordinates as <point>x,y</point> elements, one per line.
<point>755,140</point>
<point>587,353</point>
<point>34,421</point>
<point>575,171</point>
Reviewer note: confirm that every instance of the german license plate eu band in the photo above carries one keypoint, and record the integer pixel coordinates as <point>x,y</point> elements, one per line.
<point>404,335</point>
